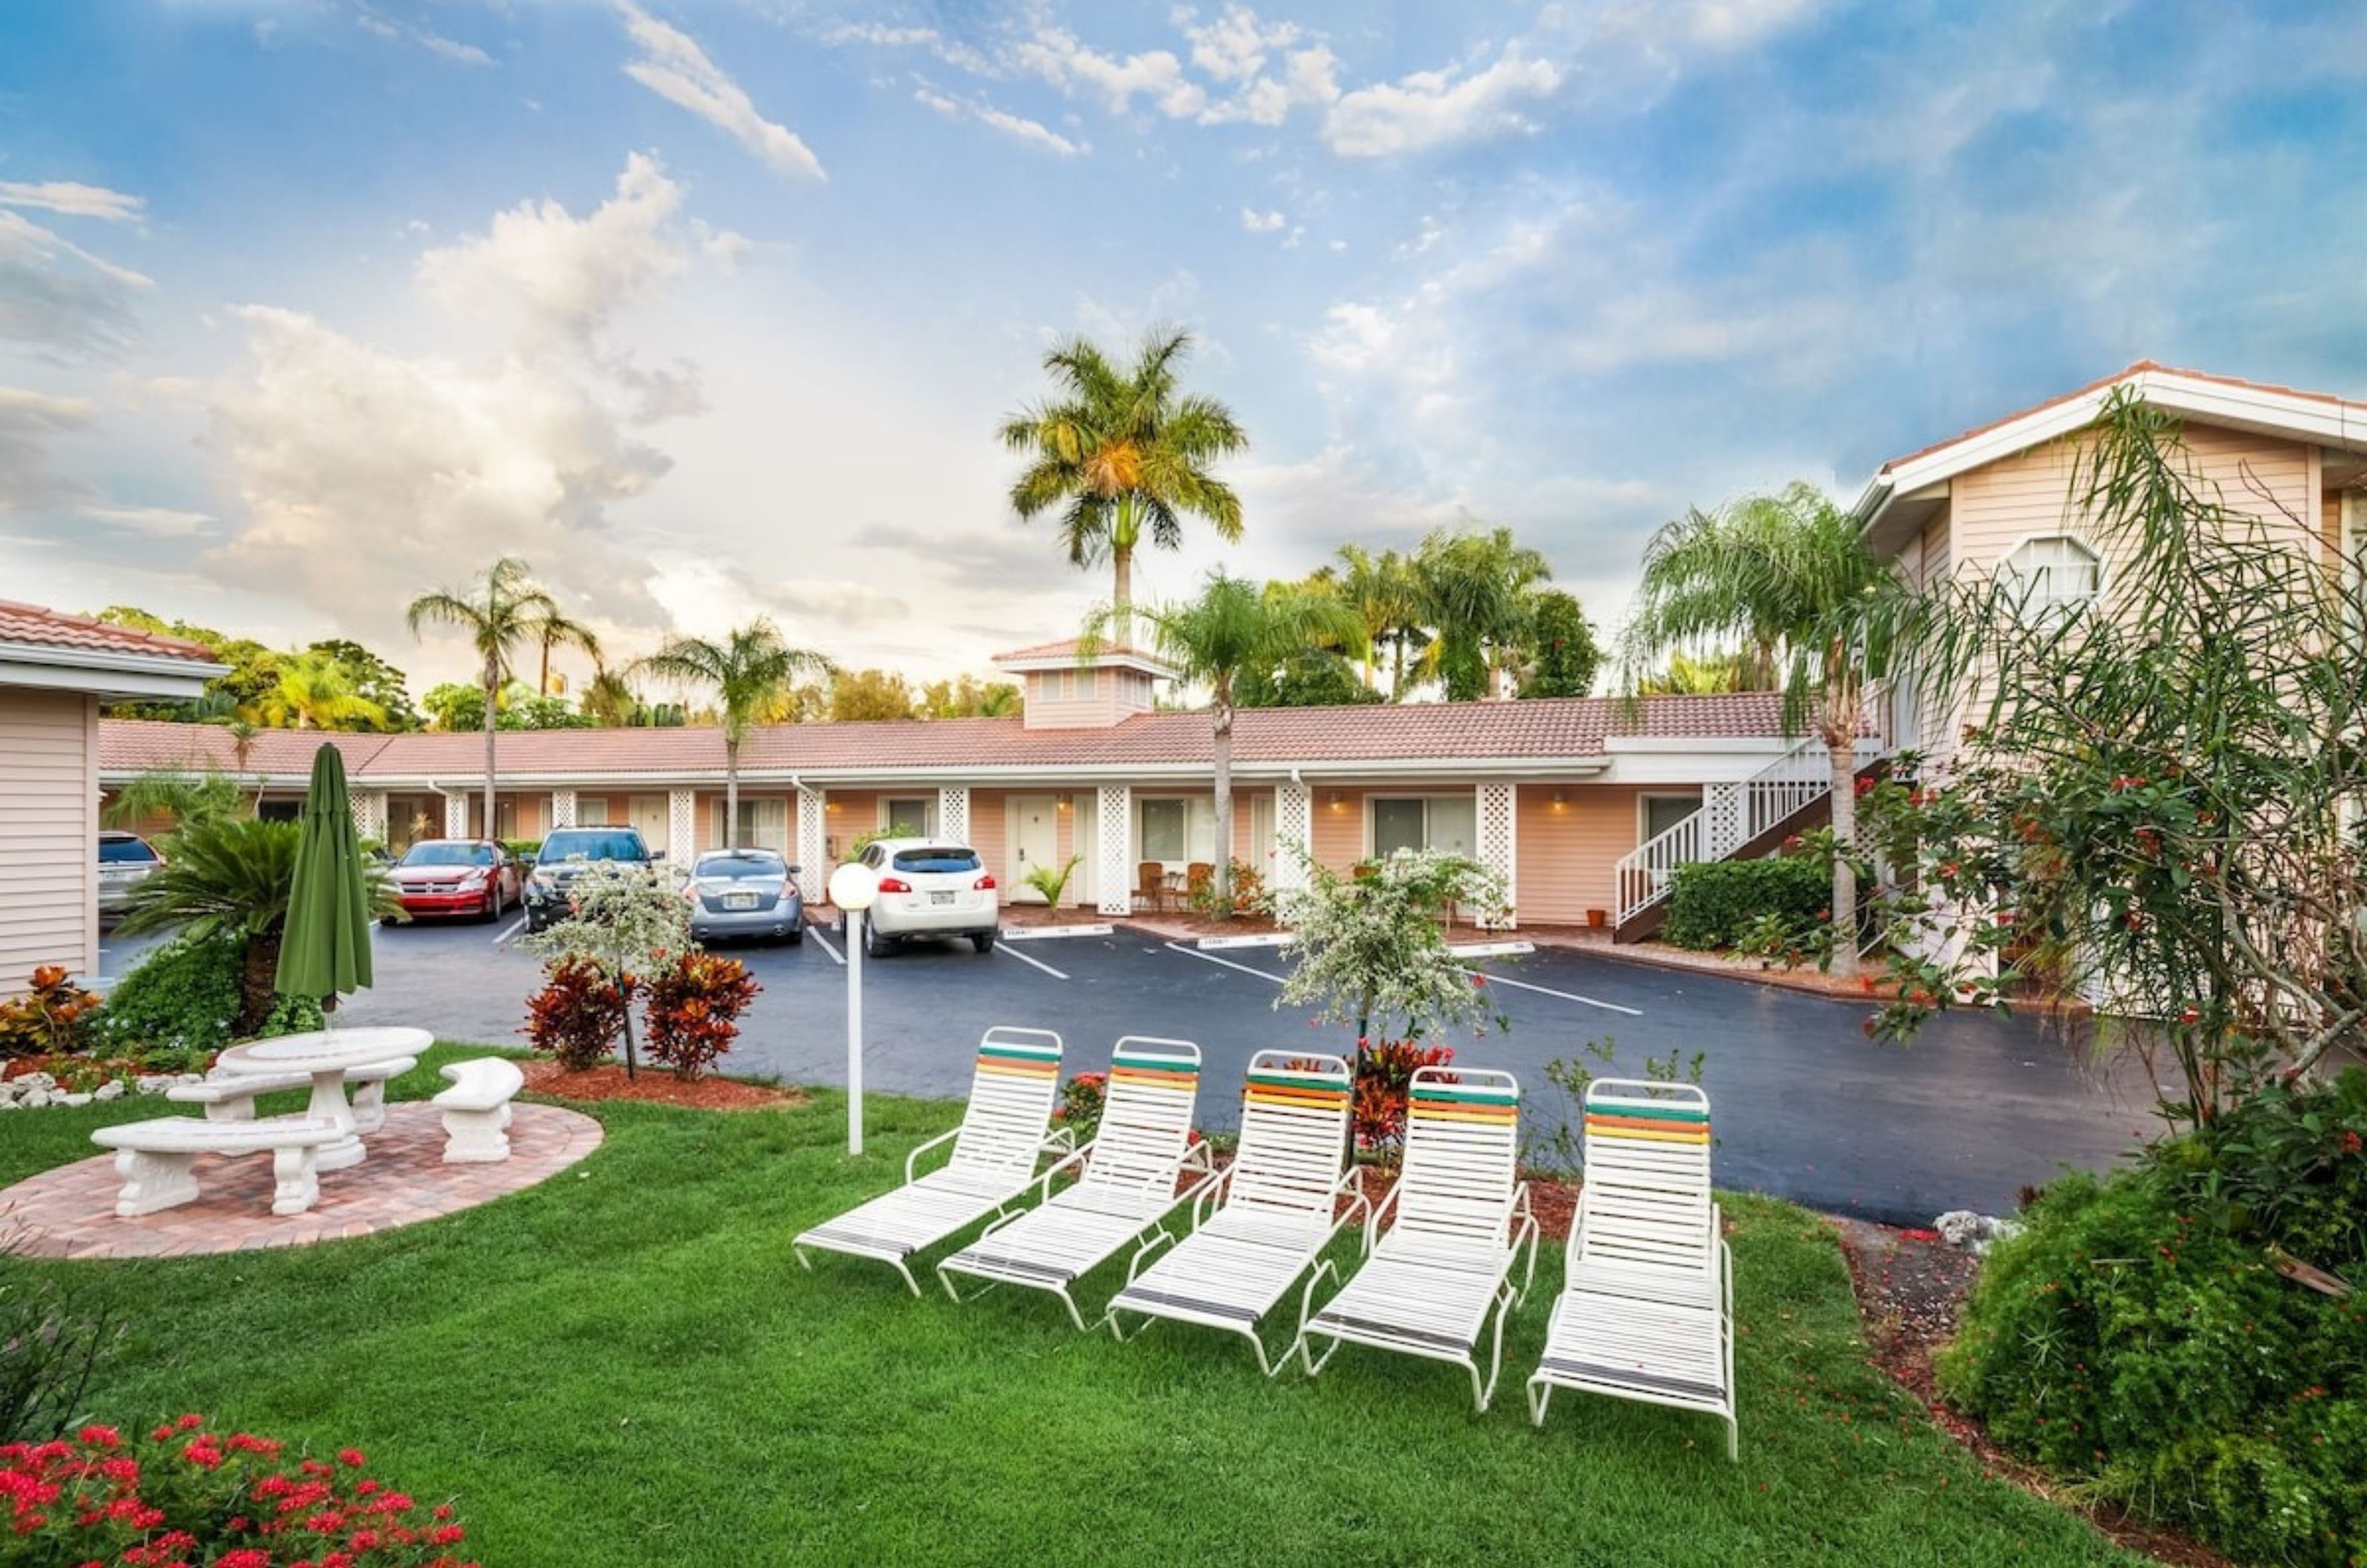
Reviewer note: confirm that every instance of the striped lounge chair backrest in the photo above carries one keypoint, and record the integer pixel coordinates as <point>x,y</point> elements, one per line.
<point>1462,1155</point>
<point>1011,1095</point>
<point>1294,1134</point>
<point>1154,1085</point>
<point>1646,1203</point>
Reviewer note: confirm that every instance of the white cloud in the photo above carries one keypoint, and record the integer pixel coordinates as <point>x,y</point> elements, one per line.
<point>453,50</point>
<point>59,299</point>
<point>371,22</point>
<point>1257,222</point>
<point>155,521</point>
<point>1438,108</point>
<point>880,35</point>
<point>30,422</point>
<point>673,66</point>
<point>1055,55</point>
<point>1016,126</point>
<point>1233,47</point>
<point>72,200</point>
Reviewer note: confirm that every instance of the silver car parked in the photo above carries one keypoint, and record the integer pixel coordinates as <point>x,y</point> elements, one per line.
<point>744,893</point>
<point>125,861</point>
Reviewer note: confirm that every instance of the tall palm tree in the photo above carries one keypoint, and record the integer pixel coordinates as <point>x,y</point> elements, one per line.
<point>1127,453</point>
<point>1382,592</point>
<point>1235,630</point>
<point>315,693</point>
<point>555,630</point>
<point>501,614</point>
<point>749,670</point>
<point>1789,576</point>
<point>1474,590</point>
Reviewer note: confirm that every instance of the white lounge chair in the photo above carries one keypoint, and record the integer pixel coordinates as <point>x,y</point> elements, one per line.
<point>1462,1215</point>
<point>1126,1186</point>
<point>1268,1216</point>
<point>995,1151</point>
<point>1648,1311</point>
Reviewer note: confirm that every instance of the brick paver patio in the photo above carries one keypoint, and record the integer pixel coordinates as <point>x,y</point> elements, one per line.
<point>69,1212</point>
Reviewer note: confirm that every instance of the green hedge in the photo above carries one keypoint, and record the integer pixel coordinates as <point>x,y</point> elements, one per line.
<point>183,996</point>
<point>1712,902</point>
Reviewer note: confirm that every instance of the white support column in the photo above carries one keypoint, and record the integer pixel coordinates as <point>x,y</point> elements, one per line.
<point>1498,810</point>
<point>563,808</point>
<point>370,814</point>
<point>952,813</point>
<point>682,826</point>
<point>813,845</point>
<point>1113,834</point>
<point>456,815</point>
<point>1294,834</point>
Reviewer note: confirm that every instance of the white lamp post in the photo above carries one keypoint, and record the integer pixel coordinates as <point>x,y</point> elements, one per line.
<point>853,886</point>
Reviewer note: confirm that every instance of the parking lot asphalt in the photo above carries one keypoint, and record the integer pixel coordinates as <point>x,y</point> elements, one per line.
<point>1806,1107</point>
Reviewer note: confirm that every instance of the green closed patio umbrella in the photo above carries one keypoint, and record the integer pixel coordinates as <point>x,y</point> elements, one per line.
<point>325,948</point>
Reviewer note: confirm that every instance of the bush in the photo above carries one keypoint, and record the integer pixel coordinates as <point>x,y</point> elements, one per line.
<point>1715,903</point>
<point>2128,1339</point>
<point>54,1018</point>
<point>578,1015</point>
<point>183,1493</point>
<point>693,1008</point>
<point>1384,1085</point>
<point>1081,1098</point>
<point>1246,889</point>
<point>2286,1166</point>
<point>184,997</point>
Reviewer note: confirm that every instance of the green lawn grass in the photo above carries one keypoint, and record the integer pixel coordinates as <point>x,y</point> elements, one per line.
<point>626,1365</point>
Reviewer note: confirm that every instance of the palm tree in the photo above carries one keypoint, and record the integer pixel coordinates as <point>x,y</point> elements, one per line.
<point>1128,454</point>
<point>750,670</point>
<point>1235,630</point>
<point>1685,675</point>
<point>609,699</point>
<point>1790,577</point>
<point>1474,589</point>
<point>314,692</point>
<point>1382,592</point>
<point>503,613</point>
<point>555,630</point>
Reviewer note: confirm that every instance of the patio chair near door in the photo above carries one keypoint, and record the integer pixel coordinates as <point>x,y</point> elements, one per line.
<point>1150,887</point>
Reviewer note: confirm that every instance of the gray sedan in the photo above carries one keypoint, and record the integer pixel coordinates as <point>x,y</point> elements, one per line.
<point>744,893</point>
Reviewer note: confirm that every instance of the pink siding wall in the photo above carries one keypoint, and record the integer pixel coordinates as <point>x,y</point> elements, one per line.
<point>1566,853</point>
<point>49,834</point>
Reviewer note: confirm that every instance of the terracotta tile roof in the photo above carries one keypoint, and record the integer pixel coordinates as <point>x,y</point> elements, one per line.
<point>1414,733</point>
<point>47,629</point>
<point>2141,367</point>
<point>1067,648</point>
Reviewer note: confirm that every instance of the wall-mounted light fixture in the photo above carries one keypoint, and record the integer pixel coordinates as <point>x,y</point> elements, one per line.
<point>1064,803</point>
<point>1335,800</point>
<point>1556,798</point>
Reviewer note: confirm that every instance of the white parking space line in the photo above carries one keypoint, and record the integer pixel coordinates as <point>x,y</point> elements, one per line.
<point>1212,958</point>
<point>813,934</point>
<point>514,930</point>
<point>1002,952</point>
<point>1566,996</point>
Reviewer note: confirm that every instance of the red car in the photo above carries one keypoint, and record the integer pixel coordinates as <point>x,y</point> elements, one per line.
<point>457,876</point>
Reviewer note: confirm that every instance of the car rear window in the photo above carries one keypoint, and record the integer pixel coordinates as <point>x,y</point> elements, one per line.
<point>732,868</point>
<point>449,854</point>
<point>592,845</point>
<point>124,852</point>
<point>944,857</point>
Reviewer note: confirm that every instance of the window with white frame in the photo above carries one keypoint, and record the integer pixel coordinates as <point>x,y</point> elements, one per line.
<point>592,811</point>
<point>2055,571</point>
<point>1178,832</point>
<point>1448,823</point>
<point>908,818</point>
<point>764,824</point>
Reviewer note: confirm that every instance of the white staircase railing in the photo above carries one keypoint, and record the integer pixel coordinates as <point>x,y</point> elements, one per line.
<point>1731,817</point>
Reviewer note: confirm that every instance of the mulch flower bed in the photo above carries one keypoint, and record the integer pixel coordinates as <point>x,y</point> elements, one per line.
<point>658,1087</point>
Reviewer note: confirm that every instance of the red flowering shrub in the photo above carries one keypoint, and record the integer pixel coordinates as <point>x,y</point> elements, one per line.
<point>1081,1098</point>
<point>51,1020</point>
<point>694,1007</point>
<point>578,1014</point>
<point>1384,1084</point>
<point>185,1493</point>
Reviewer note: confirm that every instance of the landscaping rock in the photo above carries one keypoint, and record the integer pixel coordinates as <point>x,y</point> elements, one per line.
<point>70,1100</point>
<point>34,1099</point>
<point>111,1090</point>
<point>151,1083</point>
<point>33,1082</point>
<point>1964,1228</point>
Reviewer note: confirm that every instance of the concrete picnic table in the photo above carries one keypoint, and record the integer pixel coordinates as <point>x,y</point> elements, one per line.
<point>325,1056</point>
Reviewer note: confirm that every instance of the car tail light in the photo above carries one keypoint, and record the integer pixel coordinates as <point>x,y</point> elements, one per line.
<point>894,884</point>
<point>984,884</point>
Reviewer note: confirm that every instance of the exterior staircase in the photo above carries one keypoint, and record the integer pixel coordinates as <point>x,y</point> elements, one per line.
<point>1736,821</point>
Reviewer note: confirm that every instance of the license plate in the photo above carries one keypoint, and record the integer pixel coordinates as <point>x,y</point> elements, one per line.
<point>941,897</point>
<point>739,900</point>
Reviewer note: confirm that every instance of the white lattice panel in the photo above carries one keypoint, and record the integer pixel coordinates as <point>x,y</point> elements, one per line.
<point>1725,820</point>
<point>1111,836</point>
<point>682,824</point>
<point>813,845</point>
<point>369,813</point>
<point>1294,831</point>
<point>1498,841</point>
<point>456,816</point>
<point>563,808</point>
<point>952,813</point>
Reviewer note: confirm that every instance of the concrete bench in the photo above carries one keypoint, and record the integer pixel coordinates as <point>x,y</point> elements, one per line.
<point>231,1097</point>
<point>477,1110</point>
<point>158,1158</point>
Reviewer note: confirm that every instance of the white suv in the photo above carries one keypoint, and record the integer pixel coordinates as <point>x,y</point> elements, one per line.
<point>929,887</point>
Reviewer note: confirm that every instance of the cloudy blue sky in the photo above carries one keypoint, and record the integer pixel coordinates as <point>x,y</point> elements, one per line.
<point>710,310</point>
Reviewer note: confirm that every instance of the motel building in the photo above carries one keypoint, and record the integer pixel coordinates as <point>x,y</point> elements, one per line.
<point>1553,793</point>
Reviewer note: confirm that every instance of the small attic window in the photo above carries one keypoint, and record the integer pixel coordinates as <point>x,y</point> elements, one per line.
<point>2055,571</point>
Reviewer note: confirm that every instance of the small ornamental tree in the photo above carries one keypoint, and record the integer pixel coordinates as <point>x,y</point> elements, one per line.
<point>625,923</point>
